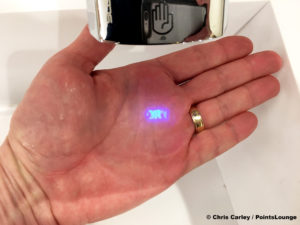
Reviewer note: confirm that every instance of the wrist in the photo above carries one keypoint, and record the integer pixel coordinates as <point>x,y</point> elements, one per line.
<point>22,201</point>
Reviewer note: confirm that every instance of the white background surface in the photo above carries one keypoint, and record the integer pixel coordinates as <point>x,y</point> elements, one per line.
<point>39,5</point>
<point>259,176</point>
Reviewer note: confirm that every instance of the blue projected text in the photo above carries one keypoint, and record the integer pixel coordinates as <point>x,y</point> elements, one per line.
<point>157,114</point>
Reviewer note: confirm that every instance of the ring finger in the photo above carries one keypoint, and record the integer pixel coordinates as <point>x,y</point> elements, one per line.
<point>216,110</point>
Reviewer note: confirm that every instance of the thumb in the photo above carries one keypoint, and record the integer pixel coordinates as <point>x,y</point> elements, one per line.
<point>86,51</point>
<point>170,20</point>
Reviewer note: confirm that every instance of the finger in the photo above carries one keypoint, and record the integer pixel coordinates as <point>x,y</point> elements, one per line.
<point>226,77</point>
<point>154,13</point>
<point>166,11</point>
<point>185,64</point>
<point>213,142</point>
<point>161,12</point>
<point>170,19</point>
<point>157,10</point>
<point>85,52</point>
<point>223,107</point>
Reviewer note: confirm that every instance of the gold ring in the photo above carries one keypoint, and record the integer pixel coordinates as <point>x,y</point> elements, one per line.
<point>197,120</point>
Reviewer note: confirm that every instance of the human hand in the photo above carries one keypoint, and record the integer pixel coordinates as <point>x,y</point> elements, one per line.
<point>162,20</point>
<point>87,139</point>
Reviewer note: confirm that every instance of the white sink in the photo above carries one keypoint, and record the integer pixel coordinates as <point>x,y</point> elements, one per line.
<point>260,176</point>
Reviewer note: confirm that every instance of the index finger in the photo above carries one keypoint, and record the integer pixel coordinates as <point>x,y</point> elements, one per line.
<point>185,64</point>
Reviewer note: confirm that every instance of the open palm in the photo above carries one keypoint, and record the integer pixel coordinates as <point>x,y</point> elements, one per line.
<point>102,142</point>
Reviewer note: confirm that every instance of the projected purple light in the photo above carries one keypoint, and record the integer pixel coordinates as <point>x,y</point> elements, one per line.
<point>157,114</point>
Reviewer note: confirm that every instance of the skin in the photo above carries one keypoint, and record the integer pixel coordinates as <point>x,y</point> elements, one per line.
<point>83,140</point>
<point>205,32</point>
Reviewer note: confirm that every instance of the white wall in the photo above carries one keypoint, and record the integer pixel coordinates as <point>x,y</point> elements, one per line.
<point>39,5</point>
